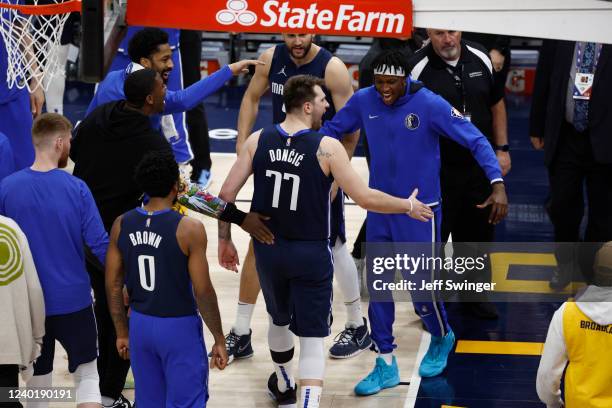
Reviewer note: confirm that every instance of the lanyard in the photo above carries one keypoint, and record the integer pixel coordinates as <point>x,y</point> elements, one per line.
<point>458,78</point>
<point>598,48</point>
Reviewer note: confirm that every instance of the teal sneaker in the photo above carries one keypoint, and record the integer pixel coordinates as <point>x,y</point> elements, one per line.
<point>436,357</point>
<point>382,376</point>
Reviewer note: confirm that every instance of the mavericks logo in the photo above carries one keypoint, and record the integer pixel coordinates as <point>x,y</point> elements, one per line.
<point>456,114</point>
<point>412,121</point>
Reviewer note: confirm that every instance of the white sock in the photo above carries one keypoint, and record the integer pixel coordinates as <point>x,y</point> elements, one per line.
<point>387,357</point>
<point>354,314</point>
<point>244,314</point>
<point>345,273</point>
<point>107,401</point>
<point>284,376</point>
<point>280,340</point>
<point>310,396</point>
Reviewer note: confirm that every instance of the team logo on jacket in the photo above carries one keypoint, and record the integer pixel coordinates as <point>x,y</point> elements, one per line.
<point>456,114</point>
<point>412,121</point>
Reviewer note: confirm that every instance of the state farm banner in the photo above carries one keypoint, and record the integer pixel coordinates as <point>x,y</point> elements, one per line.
<point>372,18</point>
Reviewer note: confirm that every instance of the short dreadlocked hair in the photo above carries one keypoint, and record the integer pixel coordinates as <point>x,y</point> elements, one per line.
<point>391,58</point>
<point>157,173</point>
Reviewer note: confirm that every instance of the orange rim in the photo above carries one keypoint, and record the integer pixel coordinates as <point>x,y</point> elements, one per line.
<point>46,9</point>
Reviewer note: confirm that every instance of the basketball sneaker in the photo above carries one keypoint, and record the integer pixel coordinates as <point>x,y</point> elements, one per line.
<point>121,402</point>
<point>287,399</point>
<point>205,178</point>
<point>382,376</point>
<point>351,341</point>
<point>238,347</point>
<point>434,361</point>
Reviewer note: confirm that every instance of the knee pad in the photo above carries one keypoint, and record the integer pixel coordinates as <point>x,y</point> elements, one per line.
<point>312,358</point>
<point>86,383</point>
<point>282,357</point>
<point>280,339</point>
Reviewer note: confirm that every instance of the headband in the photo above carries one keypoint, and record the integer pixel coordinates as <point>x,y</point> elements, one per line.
<point>385,69</point>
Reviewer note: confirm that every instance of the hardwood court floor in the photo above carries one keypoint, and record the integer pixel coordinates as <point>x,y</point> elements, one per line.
<point>244,382</point>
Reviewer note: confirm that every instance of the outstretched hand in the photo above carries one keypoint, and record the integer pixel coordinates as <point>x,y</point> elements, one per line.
<point>242,67</point>
<point>253,224</point>
<point>499,200</point>
<point>418,210</point>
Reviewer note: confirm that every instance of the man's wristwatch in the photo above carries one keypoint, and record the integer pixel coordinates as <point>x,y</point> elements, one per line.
<point>503,148</point>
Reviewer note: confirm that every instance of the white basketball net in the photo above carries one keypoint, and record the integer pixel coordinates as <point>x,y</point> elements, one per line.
<point>32,44</point>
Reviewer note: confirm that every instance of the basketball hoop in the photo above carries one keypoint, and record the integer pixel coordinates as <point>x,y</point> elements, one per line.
<point>31,35</point>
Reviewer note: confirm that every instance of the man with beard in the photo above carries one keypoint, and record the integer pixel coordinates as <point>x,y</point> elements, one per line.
<point>191,137</point>
<point>293,168</point>
<point>403,122</point>
<point>298,56</point>
<point>149,48</point>
<point>58,214</point>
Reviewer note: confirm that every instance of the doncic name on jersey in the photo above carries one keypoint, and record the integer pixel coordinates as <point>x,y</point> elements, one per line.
<point>286,155</point>
<point>145,238</point>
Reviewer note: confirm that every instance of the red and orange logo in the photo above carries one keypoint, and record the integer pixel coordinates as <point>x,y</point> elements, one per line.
<point>392,18</point>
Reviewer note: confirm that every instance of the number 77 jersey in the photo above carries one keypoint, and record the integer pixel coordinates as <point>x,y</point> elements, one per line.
<point>290,186</point>
<point>156,274</point>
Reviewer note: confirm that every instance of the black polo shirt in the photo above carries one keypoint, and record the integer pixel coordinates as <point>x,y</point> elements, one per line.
<point>469,87</point>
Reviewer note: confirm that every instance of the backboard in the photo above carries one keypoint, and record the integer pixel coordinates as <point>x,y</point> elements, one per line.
<point>103,27</point>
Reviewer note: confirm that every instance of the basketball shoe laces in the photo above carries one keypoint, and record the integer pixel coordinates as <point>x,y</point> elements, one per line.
<point>376,375</point>
<point>345,337</point>
<point>230,340</point>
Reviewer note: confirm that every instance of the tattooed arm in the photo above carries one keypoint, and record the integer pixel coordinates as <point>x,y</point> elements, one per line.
<point>191,237</point>
<point>194,197</point>
<point>114,290</point>
<point>238,175</point>
<point>333,159</point>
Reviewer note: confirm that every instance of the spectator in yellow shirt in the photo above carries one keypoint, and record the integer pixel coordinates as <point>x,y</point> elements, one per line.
<point>580,336</point>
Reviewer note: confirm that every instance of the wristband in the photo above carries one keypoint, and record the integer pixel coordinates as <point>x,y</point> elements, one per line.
<point>232,214</point>
<point>411,207</point>
<point>503,148</point>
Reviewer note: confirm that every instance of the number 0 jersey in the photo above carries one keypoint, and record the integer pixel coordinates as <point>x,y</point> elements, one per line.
<point>156,273</point>
<point>289,185</point>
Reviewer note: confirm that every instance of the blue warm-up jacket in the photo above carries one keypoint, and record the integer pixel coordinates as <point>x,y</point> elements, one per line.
<point>404,139</point>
